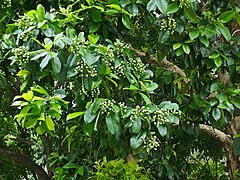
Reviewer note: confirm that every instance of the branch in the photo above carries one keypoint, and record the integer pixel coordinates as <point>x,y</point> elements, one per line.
<point>226,140</point>
<point>26,162</point>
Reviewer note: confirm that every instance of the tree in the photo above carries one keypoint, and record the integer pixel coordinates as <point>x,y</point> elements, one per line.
<point>153,82</point>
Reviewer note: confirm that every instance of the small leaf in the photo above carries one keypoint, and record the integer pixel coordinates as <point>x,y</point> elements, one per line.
<point>96,16</point>
<point>186,48</point>
<point>172,8</point>
<point>28,96</point>
<point>93,38</point>
<point>133,9</point>
<point>56,65</point>
<point>194,34</point>
<point>176,46</point>
<point>162,5</point>
<point>216,113</point>
<point>45,61</point>
<point>89,116</point>
<point>137,140</point>
<point>162,130</point>
<point>49,123</point>
<point>227,16</point>
<point>137,125</point>
<point>191,14</point>
<point>151,5</point>
<point>3,82</point>
<point>218,62</point>
<point>126,21</point>
<point>70,166</point>
<point>74,115</point>
<point>225,32</point>
<point>146,99</point>
<point>40,12</point>
<point>204,40</point>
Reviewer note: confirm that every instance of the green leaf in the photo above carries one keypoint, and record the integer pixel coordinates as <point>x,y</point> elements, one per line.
<point>49,123</point>
<point>41,129</point>
<point>90,59</point>
<point>45,61</point>
<point>151,5</point>
<point>215,55</point>
<point>218,62</point>
<point>146,99</point>
<point>162,5</point>
<point>89,115</point>
<point>194,34</point>
<point>40,12</point>
<point>186,48</point>
<point>56,64</point>
<point>126,21</point>
<point>28,96</point>
<point>70,166</point>
<point>176,46</point>
<point>30,122</point>
<point>204,40</point>
<point>191,14</point>
<point>236,102</point>
<point>162,130</point>
<point>137,140</point>
<point>3,82</point>
<point>133,9</point>
<point>74,115</point>
<point>237,16</point>
<point>227,16</point>
<point>94,27</point>
<point>40,90</point>
<point>137,125</point>
<point>225,32</point>
<point>112,124</point>
<point>96,16</point>
<point>93,38</point>
<point>216,113</point>
<point>172,8</point>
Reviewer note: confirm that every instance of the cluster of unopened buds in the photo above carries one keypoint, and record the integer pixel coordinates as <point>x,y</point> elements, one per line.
<point>77,44</point>
<point>123,107</point>
<point>95,92</point>
<point>136,65</point>
<point>21,55</point>
<point>143,112</point>
<point>151,143</point>
<point>119,47</point>
<point>107,106</point>
<point>2,72</point>
<point>24,22</point>
<point>169,25</point>
<point>160,116</point>
<point>184,3</point>
<point>6,4</point>
<point>86,71</point>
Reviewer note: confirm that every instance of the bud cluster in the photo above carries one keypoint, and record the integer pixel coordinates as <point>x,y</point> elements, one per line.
<point>95,92</point>
<point>77,44</point>
<point>184,3</point>
<point>143,112</point>
<point>24,22</point>
<point>123,107</point>
<point>6,4</point>
<point>2,72</point>
<point>86,71</point>
<point>151,143</point>
<point>21,55</point>
<point>107,106</point>
<point>136,65</point>
<point>119,47</point>
<point>160,116</point>
<point>169,25</point>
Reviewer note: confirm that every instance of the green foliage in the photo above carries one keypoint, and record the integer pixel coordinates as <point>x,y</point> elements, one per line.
<point>117,169</point>
<point>72,80</point>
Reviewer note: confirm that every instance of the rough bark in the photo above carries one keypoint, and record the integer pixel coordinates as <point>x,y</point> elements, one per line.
<point>227,142</point>
<point>26,162</point>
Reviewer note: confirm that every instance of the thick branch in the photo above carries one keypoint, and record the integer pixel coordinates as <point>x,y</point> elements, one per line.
<point>26,162</point>
<point>227,143</point>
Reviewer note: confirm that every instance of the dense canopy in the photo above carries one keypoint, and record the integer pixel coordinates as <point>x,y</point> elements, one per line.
<point>110,89</point>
